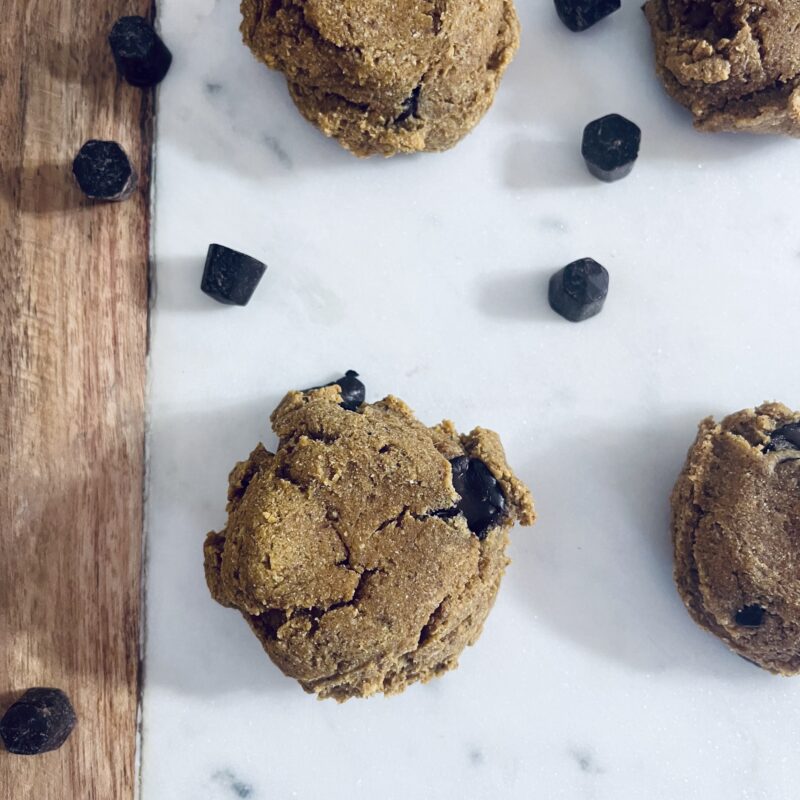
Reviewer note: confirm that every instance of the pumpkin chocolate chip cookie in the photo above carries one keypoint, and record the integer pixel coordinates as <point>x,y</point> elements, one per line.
<point>736,531</point>
<point>366,552</point>
<point>387,76</point>
<point>735,64</point>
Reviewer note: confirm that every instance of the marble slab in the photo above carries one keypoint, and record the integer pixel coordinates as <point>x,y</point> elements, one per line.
<point>428,275</point>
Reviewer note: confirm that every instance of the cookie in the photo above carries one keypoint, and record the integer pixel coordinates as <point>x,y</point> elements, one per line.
<point>735,64</point>
<point>351,553</point>
<point>387,77</point>
<point>736,534</point>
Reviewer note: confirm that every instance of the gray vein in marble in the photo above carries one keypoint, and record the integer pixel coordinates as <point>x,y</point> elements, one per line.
<point>237,787</point>
<point>277,149</point>
<point>585,760</point>
<point>212,87</point>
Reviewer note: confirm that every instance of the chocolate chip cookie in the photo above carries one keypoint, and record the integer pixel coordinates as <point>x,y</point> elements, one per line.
<point>736,532</point>
<point>367,551</point>
<point>735,64</point>
<point>387,76</point>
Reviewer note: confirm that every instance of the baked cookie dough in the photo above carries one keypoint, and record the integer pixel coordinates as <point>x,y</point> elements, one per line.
<point>387,76</point>
<point>735,64</point>
<point>349,551</point>
<point>736,532</point>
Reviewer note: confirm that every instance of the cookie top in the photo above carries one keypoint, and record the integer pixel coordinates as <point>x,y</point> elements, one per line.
<point>342,548</point>
<point>734,63</point>
<point>736,529</point>
<point>387,76</point>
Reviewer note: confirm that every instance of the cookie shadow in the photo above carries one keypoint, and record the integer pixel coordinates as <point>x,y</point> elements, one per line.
<point>599,570</point>
<point>193,645</point>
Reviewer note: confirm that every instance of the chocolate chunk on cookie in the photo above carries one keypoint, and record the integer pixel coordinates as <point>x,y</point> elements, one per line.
<point>734,64</point>
<point>338,554</point>
<point>736,534</point>
<point>387,77</point>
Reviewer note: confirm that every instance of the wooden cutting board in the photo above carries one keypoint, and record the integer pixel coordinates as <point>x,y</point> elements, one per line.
<point>73,345</point>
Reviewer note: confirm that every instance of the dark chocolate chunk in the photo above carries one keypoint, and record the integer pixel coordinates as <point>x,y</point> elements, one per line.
<point>579,290</point>
<point>104,171</point>
<point>231,277</point>
<point>41,720</point>
<point>750,616</point>
<point>482,501</point>
<point>352,389</point>
<point>611,147</point>
<point>785,438</point>
<point>578,15</point>
<point>140,55</point>
<point>410,106</point>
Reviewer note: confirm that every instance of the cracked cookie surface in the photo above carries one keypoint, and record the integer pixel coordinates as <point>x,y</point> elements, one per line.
<point>345,550</point>
<point>736,534</point>
<point>387,76</point>
<point>735,64</point>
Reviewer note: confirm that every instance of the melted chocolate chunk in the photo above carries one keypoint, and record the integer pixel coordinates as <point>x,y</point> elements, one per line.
<point>352,389</point>
<point>482,501</point>
<point>750,616</point>
<point>785,438</point>
<point>410,106</point>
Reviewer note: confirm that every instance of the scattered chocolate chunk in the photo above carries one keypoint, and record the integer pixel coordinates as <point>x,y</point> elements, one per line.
<point>140,55</point>
<point>611,147</point>
<point>785,438</point>
<point>352,389</point>
<point>104,171</point>
<point>482,502</point>
<point>750,616</point>
<point>579,290</point>
<point>231,277</point>
<point>578,15</point>
<point>41,720</point>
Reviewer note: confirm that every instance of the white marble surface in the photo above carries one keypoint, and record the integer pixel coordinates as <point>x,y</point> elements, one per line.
<point>428,275</point>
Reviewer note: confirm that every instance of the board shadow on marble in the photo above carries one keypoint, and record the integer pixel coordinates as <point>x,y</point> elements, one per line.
<point>613,593</point>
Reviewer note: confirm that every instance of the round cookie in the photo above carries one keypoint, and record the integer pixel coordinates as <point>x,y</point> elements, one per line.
<point>736,533</point>
<point>735,64</point>
<point>367,551</point>
<point>387,76</point>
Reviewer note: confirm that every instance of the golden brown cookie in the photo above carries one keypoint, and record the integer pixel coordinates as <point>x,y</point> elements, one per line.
<point>735,64</point>
<point>387,76</point>
<point>367,551</point>
<point>736,532</point>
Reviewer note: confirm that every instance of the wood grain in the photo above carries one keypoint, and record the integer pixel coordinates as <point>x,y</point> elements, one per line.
<point>73,339</point>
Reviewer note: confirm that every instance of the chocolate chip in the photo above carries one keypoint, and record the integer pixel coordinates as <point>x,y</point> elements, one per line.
<point>579,290</point>
<point>750,616</point>
<point>410,106</point>
<point>104,171</point>
<point>785,438</point>
<point>140,55</point>
<point>611,146</point>
<point>352,390</point>
<point>41,720</point>
<point>482,501</point>
<point>578,15</point>
<point>231,277</point>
